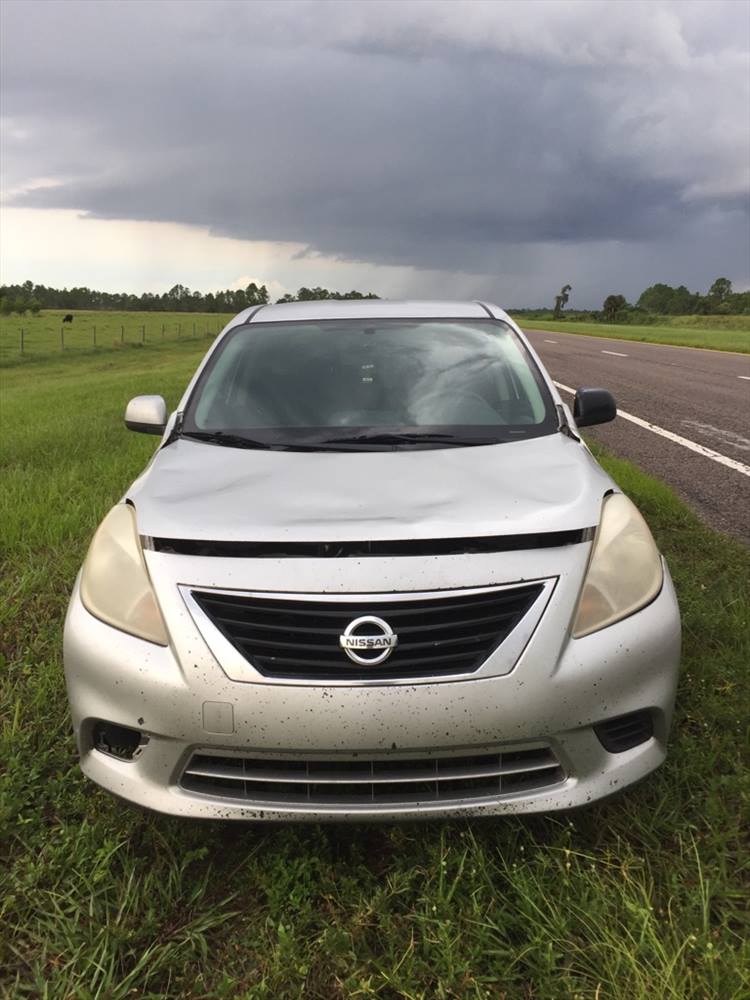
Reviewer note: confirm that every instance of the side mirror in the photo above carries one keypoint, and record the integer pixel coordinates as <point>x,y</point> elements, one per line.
<point>147,414</point>
<point>593,406</point>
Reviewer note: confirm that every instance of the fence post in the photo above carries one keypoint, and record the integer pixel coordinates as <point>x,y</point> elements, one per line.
<point>62,338</point>
<point>162,331</point>
<point>122,334</point>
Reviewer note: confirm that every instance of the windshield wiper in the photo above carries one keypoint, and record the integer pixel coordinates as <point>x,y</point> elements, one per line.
<point>410,437</point>
<point>223,438</point>
<point>227,440</point>
<point>350,442</point>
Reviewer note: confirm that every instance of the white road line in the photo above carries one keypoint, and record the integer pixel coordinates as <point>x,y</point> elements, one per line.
<point>554,342</point>
<point>699,449</point>
<point>745,377</point>
<point>726,437</point>
<point>615,354</point>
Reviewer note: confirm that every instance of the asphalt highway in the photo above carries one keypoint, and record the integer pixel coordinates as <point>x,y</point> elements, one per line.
<point>701,398</point>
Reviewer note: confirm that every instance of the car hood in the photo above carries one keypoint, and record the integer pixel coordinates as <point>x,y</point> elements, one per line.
<point>194,490</point>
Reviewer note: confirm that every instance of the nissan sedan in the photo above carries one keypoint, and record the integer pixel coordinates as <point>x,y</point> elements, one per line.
<point>372,571</point>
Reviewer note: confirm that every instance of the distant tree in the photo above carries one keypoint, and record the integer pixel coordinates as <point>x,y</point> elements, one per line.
<point>319,294</point>
<point>720,291</point>
<point>178,298</point>
<point>561,300</point>
<point>683,302</point>
<point>34,306</point>
<point>255,296</point>
<point>667,301</point>
<point>613,304</point>
<point>19,306</point>
<point>6,306</point>
<point>312,294</point>
<point>739,303</point>
<point>657,298</point>
<point>701,305</point>
<point>719,298</point>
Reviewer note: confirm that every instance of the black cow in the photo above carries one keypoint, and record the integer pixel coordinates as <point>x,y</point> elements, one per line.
<point>68,318</point>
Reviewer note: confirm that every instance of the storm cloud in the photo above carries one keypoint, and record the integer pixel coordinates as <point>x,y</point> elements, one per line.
<point>514,144</point>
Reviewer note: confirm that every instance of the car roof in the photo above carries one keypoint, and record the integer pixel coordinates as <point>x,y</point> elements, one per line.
<point>328,309</point>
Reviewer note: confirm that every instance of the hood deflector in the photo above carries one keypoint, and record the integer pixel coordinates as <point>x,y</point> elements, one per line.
<point>358,549</point>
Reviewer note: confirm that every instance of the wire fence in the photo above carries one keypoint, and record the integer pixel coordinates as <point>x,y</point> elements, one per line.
<point>47,335</point>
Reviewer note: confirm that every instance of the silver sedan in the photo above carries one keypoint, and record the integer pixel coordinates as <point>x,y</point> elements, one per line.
<point>371,572</point>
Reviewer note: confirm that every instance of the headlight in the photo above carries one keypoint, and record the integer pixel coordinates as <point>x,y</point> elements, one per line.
<point>115,584</point>
<point>625,570</point>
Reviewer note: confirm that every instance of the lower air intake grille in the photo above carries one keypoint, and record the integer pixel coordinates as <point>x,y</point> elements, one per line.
<point>299,639</point>
<point>625,732</point>
<point>351,783</point>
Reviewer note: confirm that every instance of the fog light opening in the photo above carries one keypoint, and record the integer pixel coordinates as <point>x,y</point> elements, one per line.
<point>626,731</point>
<point>120,742</point>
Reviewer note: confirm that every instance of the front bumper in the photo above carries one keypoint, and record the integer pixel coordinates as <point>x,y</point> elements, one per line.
<point>182,700</point>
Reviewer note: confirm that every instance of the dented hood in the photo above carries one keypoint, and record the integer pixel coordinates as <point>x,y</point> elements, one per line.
<point>195,490</point>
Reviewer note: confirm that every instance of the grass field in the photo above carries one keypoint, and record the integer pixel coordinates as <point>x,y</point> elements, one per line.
<point>98,330</point>
<point>720,333</point>
<point>643,896</point>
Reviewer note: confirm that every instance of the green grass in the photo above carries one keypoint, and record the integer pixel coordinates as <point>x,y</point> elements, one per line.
<point>98,330</point>
<point>720,333</point>
<point>643,896</point>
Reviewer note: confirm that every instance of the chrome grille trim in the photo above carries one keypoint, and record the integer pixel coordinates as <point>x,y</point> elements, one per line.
<point>356,782</point>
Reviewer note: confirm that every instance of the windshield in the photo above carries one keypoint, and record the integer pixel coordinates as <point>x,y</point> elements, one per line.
<point>369,383</point>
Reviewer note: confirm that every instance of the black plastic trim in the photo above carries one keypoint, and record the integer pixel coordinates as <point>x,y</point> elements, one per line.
<point>140,428</point>
<point>626,731</point>
<point>113,740</point>
<point>382,548</point>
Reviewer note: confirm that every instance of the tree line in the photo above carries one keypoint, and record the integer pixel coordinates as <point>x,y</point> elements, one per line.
<point>656,300</point>
<point>664,300</point>
<point>30,297</point>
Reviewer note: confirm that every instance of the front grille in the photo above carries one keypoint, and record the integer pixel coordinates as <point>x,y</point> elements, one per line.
<point>299,639</point>
<point>350,783</point>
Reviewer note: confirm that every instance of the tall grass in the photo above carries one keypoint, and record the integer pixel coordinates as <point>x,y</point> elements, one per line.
<point>719,333</point>
<point>94,331</point>
<point>642,896</point>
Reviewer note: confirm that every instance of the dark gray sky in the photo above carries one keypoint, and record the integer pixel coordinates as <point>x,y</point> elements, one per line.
<point>430,148</point>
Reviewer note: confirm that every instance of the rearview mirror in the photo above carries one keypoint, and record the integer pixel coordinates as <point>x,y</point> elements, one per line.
<point>147,414</point>
<point>593,406</point>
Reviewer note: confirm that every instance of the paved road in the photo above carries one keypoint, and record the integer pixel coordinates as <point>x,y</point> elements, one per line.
<point>701,396</point>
